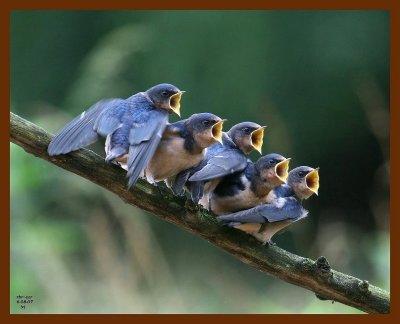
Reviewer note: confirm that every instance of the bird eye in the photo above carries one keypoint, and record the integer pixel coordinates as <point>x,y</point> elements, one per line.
<point>164,93</point>
<point>246,130</point>
<point>302,173</point>
<point>206,122</point>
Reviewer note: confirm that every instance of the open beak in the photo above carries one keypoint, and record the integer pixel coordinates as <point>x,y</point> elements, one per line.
<point>282,170</point>
<point>217,130</point>
<point>312,180</point>
<point>257,137</point>
<point>175,102</point>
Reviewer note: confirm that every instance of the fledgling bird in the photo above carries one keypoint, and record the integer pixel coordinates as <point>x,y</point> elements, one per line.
<point>250,187</point>
<point>183,146</point>
<point>221,160</point>
<point>133,127</point>
<point>284,207</point>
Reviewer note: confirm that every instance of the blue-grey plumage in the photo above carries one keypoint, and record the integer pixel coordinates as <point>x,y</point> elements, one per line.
<point>133,127</point>
<point>251,186</point>
<point>223,159</point>
<point>284,207</point>
<point>183,146</point>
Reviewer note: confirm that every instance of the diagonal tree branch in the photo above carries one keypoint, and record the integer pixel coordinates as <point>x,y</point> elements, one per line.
<point>316,276</point>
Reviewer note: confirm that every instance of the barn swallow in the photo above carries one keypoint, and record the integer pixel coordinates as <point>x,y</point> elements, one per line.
<point>183,146</point>
<point>284,206</point>
<point>133,127</point>
<point>223,159</point>
<point>247,136</point>
<point>250,187</point>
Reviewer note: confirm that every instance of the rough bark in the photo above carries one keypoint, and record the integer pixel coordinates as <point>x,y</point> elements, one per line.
<point>316,276</point>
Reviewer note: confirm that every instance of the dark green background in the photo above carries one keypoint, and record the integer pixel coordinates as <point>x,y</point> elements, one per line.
<point>318,79</point>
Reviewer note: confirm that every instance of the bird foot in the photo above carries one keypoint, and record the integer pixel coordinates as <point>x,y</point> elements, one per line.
<point>111,161</point>
<point>194,208</point>
<point>268,243</point>
<point>180,193</point>
<point>118,164</point>
<point>160,189</point>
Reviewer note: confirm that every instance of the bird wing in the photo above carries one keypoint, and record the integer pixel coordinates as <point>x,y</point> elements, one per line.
<point>283,191</point>
<point>281,209</point>
<point>178,183</point>
<point>174,129</point>
<point>144,137</point>
<point>102,119</point>
<point>223,163</point>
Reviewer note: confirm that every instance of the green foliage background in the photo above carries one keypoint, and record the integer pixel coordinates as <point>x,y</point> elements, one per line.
<point>318,79</point>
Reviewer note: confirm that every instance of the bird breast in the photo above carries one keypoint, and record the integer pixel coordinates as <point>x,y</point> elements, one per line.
<point>169,159</point>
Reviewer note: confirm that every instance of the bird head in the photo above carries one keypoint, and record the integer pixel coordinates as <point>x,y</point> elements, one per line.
<point>273,169</point>
<point>166,96</point>
<point>304,181</point>
<point>247,136</point>
<point>206,128</point>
